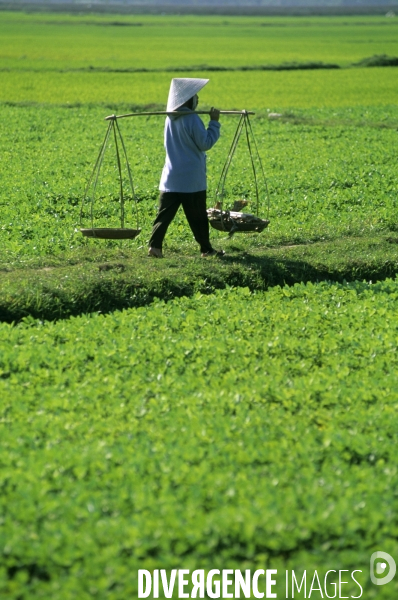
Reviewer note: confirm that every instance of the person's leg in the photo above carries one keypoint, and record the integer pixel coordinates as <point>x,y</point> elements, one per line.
<point>169,203</point>
<point>194,206</point>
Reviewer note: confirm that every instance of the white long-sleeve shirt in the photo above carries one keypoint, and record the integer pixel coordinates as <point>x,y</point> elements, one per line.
<point>186,139</point>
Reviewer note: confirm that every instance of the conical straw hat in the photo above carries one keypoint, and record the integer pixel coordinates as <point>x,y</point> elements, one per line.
<point>182,89</point>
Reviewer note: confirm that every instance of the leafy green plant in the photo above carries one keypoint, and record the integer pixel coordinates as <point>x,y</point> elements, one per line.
<point>237,429</point>
<point>234,430</point>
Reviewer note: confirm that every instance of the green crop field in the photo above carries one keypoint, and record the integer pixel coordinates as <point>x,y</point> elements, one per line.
<point>326,178</point>
<point>42,58</point>
<point>254,90</point>
<point>47,42</point>
<point>233,429</point>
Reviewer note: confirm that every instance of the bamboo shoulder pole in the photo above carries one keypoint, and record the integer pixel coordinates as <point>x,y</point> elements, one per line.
<point>178,112</point>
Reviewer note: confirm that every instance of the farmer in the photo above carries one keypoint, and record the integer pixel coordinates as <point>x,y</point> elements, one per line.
<point>183,179</point>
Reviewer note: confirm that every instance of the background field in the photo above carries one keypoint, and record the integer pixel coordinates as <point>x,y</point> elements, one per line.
<point>41,41</point>
<point>232,431</point>
<point>235,90</point>
<point>41,56</point>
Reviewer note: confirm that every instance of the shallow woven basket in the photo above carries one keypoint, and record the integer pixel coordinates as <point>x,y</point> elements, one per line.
<point>111,233</point>
<point>235,222</point>
<point>229,225</point>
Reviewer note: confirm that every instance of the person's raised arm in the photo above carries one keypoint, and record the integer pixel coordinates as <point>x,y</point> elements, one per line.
<point>206,138</point>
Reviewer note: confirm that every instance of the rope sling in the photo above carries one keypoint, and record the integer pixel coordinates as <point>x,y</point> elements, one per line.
<point>111,233</point>
<point>231,221</point>
<point>234,221</point>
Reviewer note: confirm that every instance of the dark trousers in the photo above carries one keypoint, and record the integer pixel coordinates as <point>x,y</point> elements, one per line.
<point>194,206</point>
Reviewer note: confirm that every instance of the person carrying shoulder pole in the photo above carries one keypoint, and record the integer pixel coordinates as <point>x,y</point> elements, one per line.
<point>183,180</point>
